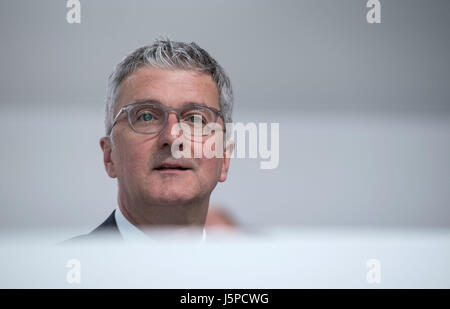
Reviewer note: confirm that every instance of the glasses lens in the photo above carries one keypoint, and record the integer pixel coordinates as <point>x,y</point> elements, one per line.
<point>147,118</point>
<point>198,118</point>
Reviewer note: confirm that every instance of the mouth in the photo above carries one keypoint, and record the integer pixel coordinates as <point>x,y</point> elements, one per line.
<point>169,167</point>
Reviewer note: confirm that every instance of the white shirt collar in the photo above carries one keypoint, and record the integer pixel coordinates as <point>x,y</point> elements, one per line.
<point>131,233</point>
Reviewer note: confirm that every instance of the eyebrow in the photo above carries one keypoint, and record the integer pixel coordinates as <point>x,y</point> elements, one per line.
<point>156,101</point>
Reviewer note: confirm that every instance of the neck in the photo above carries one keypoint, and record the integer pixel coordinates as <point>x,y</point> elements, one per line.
<point>179,217</point>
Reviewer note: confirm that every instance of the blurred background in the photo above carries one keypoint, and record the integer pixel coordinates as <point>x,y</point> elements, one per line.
<point>364,109</point>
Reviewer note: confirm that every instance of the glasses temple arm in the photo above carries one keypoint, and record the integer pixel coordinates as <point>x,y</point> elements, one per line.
<point>115,120</point>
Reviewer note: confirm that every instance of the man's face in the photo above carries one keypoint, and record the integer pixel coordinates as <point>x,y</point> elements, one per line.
<point>134,157</point>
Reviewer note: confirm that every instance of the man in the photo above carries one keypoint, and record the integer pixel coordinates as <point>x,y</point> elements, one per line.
<point>155,96</point>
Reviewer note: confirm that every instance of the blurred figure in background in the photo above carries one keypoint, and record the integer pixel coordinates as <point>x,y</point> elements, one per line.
<point>219,218</point>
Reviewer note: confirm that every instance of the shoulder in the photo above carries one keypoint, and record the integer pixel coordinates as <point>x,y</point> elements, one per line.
<point>107,229</point>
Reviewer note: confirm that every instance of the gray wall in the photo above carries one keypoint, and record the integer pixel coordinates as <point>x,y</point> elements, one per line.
<point>363,109</point>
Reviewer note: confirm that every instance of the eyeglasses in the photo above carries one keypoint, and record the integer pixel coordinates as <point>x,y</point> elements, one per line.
<point>151,117</point>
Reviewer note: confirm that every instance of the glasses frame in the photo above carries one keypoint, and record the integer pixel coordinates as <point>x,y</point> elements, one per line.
<point>167,110</point>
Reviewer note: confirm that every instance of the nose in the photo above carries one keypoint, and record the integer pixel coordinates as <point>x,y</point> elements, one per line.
<point>170,132</point>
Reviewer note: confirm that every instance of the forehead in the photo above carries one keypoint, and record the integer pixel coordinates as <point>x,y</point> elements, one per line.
<point>170,87</point>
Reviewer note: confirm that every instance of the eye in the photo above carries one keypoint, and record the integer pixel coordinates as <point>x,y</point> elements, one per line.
<point>195,118</point>
<point>145,116</point>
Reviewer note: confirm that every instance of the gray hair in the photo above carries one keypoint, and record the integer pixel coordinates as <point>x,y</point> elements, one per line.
<point>164,53</point>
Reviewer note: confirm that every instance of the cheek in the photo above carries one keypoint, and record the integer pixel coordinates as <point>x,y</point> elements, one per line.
<point>211,169</point>
<point>133,161</point>
<point>196,149</point>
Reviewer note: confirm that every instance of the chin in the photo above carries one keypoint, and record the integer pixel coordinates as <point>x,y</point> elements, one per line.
<point>172,196</point>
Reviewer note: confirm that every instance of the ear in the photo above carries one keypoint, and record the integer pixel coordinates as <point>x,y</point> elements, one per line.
<point>229,148</point>
<point>106,145</point>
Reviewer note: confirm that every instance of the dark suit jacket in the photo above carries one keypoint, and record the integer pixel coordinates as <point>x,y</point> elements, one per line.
<point>108,228</point>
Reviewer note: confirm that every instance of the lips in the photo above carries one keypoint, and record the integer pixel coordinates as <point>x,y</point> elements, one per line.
<point>168,166</point>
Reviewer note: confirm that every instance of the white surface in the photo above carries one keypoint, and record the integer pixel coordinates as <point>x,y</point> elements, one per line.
<point>276,258</point>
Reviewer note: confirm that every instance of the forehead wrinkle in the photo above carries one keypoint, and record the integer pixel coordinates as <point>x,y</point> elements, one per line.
<point>144,81</point>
